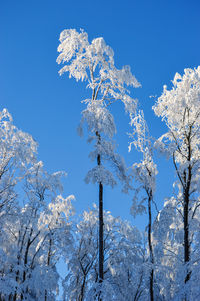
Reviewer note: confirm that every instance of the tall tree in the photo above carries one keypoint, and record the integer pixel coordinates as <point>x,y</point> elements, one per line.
<point>144,173</point>
<point>180,109</point>
<point>94,63</point>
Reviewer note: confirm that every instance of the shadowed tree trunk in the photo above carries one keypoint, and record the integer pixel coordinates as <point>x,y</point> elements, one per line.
<point>186,220</point>
<point>186,179</point>
<point>101,247</point>
<point>101,244</point>
<point>101,253</point>
<point>186,236</point>
<point>151,284</point>
<point>186,208</point>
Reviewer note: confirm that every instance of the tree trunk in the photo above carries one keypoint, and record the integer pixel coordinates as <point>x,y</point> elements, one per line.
<point>185,179</point>
<point>81,297</point>
<point>186,235</point>
<point>151,279</point>
<point>101,242</point>
<point>186,238</point>
<point>186,215</point>
<point>48,263</point>
<point>101,252</point>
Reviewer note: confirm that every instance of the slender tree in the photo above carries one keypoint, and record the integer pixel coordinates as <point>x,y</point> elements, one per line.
<point>179,108</point>
<point>94,63</point>
<point>144,173</point>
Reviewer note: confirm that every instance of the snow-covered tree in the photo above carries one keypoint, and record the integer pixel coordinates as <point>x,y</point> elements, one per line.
<point>83,259</point>
<point>31,243</point>
<point>17,153</point>
<point>94,63</point>
<point>144,173</point>
<point>36,227</point>
<point>124,264</point>
<point>180,110</point>
<point>168,252</point>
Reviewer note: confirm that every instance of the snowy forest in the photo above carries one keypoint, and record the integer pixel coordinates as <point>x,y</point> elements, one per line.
<point>105,257</point>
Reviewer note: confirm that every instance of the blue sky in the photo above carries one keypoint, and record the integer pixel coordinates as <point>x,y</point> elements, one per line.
<point>156,38</point>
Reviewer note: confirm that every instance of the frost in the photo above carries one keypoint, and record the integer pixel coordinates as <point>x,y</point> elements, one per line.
<point>94,63</point>
<point>145,171</point>
<point>176,229</point>
<point>124,261</point>
<point>100,175</point>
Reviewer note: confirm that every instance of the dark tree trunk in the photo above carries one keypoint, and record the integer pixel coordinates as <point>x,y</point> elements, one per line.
<point>186,234</point>
<point>186,209</point>
<point>81,297</point>
<point>151,280</point>
<point>101,247</point>
<point>48,263</point>
<point>185,179</point>
<point>101,242</point>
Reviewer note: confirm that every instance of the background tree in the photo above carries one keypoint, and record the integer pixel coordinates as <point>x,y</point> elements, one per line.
<point>179,108</point>
<point>124,274</point>
<point>169,253</point>
<point>17,154</point>
<point>33,218</point>
<point>32,239</point>
<point>144,173</point>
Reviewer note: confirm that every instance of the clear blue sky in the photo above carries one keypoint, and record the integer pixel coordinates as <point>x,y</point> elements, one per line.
<point>156,38</point>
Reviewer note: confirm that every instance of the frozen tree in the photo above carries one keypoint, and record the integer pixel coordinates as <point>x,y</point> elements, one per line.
<point>124,266</point>
<point>144,173</point>
<point>180,110</point>
<point>17,153</point>
<point>127,264</point>
<point>94,63</point>
<point>32,237</point>
<point>83,259</point>
<point>168,251</point>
